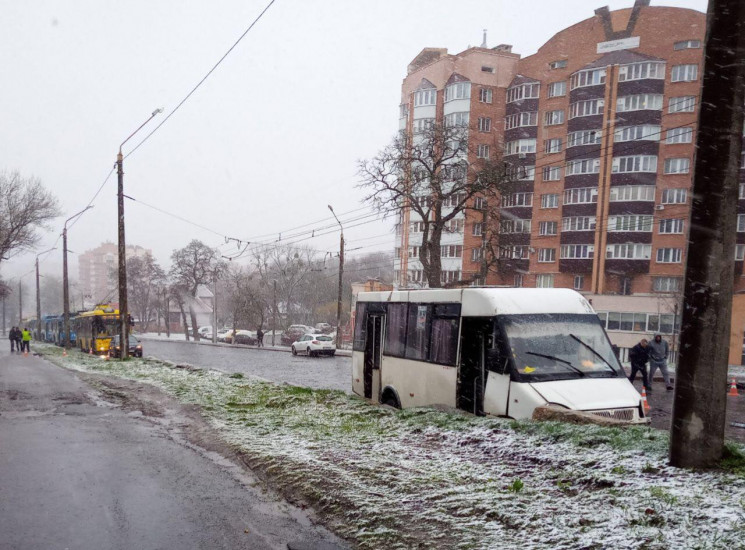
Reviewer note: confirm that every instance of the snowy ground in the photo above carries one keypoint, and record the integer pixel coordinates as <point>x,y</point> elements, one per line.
<point>423,478</point>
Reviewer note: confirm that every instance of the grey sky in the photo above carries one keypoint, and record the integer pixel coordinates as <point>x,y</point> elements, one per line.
<point>269,140</point>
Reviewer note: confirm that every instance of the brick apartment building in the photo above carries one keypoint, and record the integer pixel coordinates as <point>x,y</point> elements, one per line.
<point>600,124</point>
<point>97,272</point>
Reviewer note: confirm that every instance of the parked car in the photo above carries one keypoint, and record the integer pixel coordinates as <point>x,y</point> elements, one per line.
<point>203,331</point>
<point>225,335</point>
<point>246,337</point>
<point>323,328</point>
<point>294,332</point>
<point>313,345</point>
<point>134,348</point>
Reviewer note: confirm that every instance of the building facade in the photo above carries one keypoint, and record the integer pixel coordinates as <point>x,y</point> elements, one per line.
<point>600,124</point>
<point>97,272</point>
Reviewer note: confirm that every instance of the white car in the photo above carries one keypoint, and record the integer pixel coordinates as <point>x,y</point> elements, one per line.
<point>314,344</point>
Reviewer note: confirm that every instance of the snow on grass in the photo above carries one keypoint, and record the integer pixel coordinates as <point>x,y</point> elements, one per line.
<point>422,478</point>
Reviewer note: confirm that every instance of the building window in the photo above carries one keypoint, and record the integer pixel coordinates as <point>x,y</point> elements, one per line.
<point>674,196</point>
<point>523,91</point>
<point>558,64</point>
<point>584,137</point>
<point>519,252</point>
<point>485,95</point>
<point>414,251</point>
<point>552,118</point>
<point>478,229</point>
<point>628,251</point>
<point>457,119</point>
<point>590,77</point>
<point>454,226</point>
<point>518,280</point>
<point>578,223</point>
<point>451,251</point>
<point>646,132</point>
<point>666,284</point>
<point>639,71</point>
<point>625,290</point>
<point>479,203</point>
<point>517,199</point>
<point>516,225</point>
<point>739,252</point>
<point>528,118</point>
<point>682,104</point>
<point>679,135</point>
<point>624,193</point>
<point>579,282</point>
<point>669,255</point>
<point>477,254</point>
<point>427,96</point>
<point>684,73</point>
<point>630,223</point>
<point>675,227</point>
<point>687,44</point>
<point>556,89</point>
<point>482,151</point>
<point>577,251</point>
<point>403,111</point>
<point>520,146</point>
<point>635,163</point>
<point>485,69</point>
<point>588,107</point>
<point>677,166</point>
<point>551,173</point>
<point>458,90</point>
<point>581,195</point>
<point>546,255</point>
<point>550,200</point>
<point>584,166</point>
<point>545,280</point>
<point>639,102</point>
<point>552,146</point>
<point>741,223</point>
<point>484,124</point>
<point>547,228</point>
<point>422,124</point>
<point>449,277</point>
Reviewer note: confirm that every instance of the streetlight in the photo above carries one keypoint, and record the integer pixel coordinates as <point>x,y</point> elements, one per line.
<point>341,273</point>
<point>65,286</point>
<point>38,297</point>
<point>123,316</point>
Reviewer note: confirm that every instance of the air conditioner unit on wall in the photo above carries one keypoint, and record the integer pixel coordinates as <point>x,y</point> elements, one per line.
<point>659,207</point>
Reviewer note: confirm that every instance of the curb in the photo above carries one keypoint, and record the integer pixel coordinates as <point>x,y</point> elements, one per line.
<point>339,352</point>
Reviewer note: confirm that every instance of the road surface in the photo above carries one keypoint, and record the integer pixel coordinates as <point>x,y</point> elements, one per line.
<point>80,472</point>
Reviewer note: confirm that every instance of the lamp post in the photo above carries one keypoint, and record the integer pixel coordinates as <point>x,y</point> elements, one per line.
<point>38,297</point>
<point>123,309</point>
<point>65,283</point>
<point>341,273</point>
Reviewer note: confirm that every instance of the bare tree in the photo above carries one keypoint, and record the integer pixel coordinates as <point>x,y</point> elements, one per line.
<point>290,267</point>
<point>144,277</point>
<point>25,206</point>
<point>430,175</point>
<point>195,264</point>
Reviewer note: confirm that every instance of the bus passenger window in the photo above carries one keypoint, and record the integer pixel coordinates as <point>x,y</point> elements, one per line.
<point>444,341</point>
<point>360,327</point>
<point>395,338</point>
<point>417,335</point>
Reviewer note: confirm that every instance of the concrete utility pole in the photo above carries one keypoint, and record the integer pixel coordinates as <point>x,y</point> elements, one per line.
<point>123,306</point>
<point>274,312</point>
<point>341,275</point>
<point>699,406</point>
<point>214,307</point>
<point>66,282</point>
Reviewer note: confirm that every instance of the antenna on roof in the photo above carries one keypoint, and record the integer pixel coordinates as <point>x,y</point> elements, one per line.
<point>483,44</point>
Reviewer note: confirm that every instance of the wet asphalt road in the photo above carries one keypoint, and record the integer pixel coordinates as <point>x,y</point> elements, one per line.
<point>77,472</point>
<point>278,366</point>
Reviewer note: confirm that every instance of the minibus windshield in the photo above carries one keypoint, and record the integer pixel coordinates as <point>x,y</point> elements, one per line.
<point>559,347</point>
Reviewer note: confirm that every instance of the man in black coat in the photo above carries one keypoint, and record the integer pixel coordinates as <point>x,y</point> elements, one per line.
<point>639,356</point>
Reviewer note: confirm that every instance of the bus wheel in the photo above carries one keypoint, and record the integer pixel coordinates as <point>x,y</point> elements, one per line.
<point>390,399</point>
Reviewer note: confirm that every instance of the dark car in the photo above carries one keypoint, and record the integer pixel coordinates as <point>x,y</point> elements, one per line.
<point>135,347</point>
<point>247,337</point>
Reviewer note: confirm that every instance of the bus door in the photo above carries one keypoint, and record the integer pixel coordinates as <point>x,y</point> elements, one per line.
<point>373,354</point>
<point>472,372</point>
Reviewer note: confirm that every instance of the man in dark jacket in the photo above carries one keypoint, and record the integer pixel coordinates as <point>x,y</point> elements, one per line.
<point>12,338</point>
<point>639,355</point>
<point>658,351</point>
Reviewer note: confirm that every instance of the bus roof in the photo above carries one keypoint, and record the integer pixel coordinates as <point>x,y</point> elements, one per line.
<point>487,302</point>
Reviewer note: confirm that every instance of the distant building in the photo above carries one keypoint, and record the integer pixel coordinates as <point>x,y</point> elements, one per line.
<point>98,272</point>
<point>600,126</point>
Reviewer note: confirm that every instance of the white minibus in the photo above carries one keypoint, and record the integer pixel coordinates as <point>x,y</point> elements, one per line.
<point>494,351</point>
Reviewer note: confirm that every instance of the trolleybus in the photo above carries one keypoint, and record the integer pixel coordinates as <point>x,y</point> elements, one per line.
<point>94,329</point>
<point>494,351</point>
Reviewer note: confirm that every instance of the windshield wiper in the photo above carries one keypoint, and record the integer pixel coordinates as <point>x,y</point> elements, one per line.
<point>559,359</point>
<point>588,346</point>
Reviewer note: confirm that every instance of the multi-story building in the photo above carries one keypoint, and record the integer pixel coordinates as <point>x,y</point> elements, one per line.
<point>97,271</point>
<point>601,123</point>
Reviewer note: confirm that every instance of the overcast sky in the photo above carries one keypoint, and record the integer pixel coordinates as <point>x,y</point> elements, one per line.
<point>264,145</point>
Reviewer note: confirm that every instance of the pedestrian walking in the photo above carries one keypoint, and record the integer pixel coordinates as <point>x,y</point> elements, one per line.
<point>658,349</point>
<point>18,339</point>
<point>12,338</point>
<point>26,338</point>
<point>260,338</point>
<point>639,355</point>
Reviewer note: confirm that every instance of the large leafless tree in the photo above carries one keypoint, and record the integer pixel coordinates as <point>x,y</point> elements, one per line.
<point>144,278</point>
<point>25,207</point>
<point>429,173</point>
